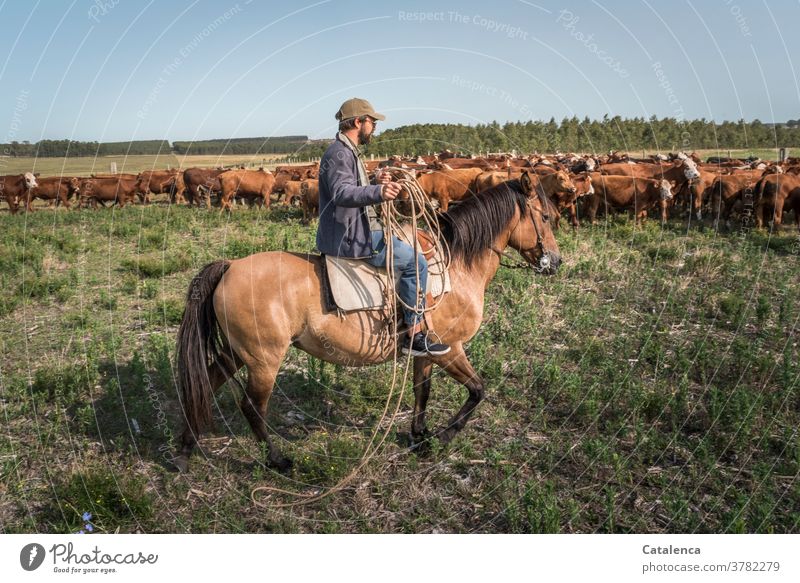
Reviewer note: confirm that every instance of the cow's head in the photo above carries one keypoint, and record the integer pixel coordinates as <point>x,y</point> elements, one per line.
<point>30,180</point>
<point>583,186</point>
<point>690,170</point>
<point>563,183</point>
<point>665,189</point>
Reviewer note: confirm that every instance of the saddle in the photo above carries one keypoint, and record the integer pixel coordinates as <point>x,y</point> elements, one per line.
<point>353,284</point>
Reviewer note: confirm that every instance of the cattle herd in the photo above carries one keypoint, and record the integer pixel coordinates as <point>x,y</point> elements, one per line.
<point>678,185</point>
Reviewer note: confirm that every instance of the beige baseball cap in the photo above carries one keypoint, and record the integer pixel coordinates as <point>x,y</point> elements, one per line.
<point>356,108</point>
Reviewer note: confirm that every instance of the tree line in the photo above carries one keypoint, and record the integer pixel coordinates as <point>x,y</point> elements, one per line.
<point>569,135</point>
<point>72,148</point>
<point>590,136</point>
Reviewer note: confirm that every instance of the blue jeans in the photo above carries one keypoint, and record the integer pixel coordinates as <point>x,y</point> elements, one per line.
<point>405,273</point>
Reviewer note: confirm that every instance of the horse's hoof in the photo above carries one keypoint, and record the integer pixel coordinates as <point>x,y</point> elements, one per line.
<point>445,436</point>
<point>420,443</point>
<point>181,464</point>
<point>281,464</point>
<point>421,448</point>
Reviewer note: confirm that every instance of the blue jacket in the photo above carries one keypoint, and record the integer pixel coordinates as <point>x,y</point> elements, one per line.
<point>343,224</point>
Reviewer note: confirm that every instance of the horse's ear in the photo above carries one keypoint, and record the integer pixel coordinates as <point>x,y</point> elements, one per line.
<point>526,183</point>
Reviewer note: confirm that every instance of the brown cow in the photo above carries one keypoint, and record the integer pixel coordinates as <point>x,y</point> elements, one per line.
<point>160,182</point>
<point>559,189</point>
<point>298,172</point>
<point>728,189</point>
<point>255,185</point>
<point>54,189</point>
<point>286,174</point>
<point>556,185</point>
<point>583,187</point>
<point>464,163</point>
<point>282,178</point>
<point>13,187</point>
<point>446,186</point>
<point>309,189</point>
<point>118,189</point>
<point>777,192</point>
<point>694,192</point>
<point>200,183</point>
<point>677,172</point>
<point>492,178</point>
<point>291,189</point>
<point>625,192</point>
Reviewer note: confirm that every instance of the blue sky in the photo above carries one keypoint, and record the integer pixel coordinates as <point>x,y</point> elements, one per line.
<point>114,70</point>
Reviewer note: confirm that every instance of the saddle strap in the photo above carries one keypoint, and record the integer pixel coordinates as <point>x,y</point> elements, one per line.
<point>426,316</point>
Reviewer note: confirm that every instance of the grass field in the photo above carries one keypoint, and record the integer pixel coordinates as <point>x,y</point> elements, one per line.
<point>650,386</point>
<point>131,164</point>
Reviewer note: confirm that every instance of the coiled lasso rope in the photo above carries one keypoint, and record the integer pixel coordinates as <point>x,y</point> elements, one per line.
<point>392,223</point>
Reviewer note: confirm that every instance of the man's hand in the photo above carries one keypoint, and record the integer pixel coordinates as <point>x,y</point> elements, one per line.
<point>390,190</point>
<point>383,176</point>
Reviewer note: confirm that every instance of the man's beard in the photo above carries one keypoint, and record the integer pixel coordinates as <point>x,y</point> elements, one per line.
<point>363,136</point>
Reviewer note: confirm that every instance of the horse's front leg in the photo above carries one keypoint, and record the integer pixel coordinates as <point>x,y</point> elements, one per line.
<point>456,364</point>
<point>422,390</point>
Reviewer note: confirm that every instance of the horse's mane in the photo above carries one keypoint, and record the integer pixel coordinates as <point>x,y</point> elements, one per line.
<point>471,226</point>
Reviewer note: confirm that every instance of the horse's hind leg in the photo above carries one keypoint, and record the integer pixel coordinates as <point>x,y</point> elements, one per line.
<point>217,375</point>
<point>456,364</point>
<point>261,380</point>
<point>422,390</point>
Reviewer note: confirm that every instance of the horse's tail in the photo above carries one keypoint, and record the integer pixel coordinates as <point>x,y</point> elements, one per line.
<point>758,189</point>
<point>199,345</point>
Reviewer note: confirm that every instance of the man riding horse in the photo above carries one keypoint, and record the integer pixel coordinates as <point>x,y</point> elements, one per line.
<point>349,225</point>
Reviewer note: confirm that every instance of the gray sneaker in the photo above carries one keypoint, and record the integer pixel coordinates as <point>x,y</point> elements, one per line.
<point>421,345</point>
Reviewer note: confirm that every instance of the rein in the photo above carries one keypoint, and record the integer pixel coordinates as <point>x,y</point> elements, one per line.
<point>516,263</point>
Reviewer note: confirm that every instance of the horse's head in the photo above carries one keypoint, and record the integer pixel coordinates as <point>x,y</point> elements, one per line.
<point>533,236</point>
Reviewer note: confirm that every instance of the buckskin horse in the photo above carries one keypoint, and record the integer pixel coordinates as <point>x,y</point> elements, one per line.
<point>230,321</point>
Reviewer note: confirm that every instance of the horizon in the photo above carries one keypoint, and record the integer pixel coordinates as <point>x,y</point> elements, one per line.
<point>307,137</point>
